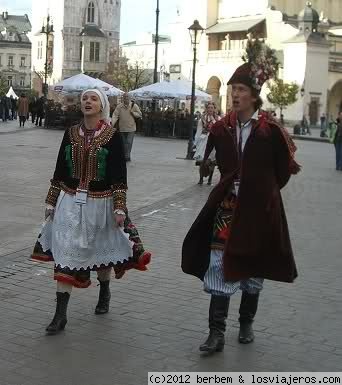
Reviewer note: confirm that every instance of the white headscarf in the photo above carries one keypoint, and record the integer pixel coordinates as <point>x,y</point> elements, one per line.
<point>105,113</point>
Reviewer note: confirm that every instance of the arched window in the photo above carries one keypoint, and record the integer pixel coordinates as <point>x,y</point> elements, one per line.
<point>91,13</point>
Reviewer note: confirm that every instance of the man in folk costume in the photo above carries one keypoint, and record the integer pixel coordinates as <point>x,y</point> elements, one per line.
<point>241,235</point>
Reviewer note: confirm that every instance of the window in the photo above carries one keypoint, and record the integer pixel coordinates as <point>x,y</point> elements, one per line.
<point>10,81</point>
<point>22,82</point>
<point>40,50</point>
<point>10,61</point>
<point>22,61</point>
<point>94,54</point>
<point>81,49</point>
<point>91,13</point>
<point>97,52</point>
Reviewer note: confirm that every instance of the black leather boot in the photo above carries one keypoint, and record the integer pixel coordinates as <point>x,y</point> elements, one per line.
<point>59,320</point>
<point>218,312</point>
<point>248,309</point>
<point>102,306</point>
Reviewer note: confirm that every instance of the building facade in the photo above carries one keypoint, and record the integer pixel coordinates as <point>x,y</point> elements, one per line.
<point>15,51</point>
<point>141,52</point>
<point>85,38</point>
<point>308,44</point>
<point>331,9</point>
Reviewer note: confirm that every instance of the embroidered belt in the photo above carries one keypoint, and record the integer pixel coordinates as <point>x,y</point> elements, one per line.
<point>91,194</point>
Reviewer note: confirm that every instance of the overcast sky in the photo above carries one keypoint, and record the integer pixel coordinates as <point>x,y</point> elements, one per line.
<point>136,15</point>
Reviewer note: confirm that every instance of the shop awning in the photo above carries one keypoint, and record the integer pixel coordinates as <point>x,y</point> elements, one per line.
<point>235,25</point>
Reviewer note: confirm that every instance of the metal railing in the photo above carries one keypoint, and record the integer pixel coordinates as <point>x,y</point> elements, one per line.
<point>225,54</point>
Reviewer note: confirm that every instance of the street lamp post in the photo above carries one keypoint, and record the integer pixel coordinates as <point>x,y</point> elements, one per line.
<point>156,42</point>
<point>195,33</point>
<point>46,30</point>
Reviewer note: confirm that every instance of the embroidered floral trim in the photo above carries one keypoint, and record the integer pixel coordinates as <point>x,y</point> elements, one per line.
<point>93,155</point>
<point>119,200</point>
<point>53,193</point>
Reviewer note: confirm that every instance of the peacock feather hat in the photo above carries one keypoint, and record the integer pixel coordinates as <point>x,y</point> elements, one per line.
<point>260,65</point>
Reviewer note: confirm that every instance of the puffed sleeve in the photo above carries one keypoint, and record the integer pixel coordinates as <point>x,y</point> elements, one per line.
<point>117,172</point>
<point>60,170</point>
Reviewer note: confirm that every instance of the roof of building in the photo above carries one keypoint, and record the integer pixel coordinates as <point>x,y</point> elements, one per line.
<point>309,14</point>
<point>236,24</point>
<point>17,38</point>
<point>92,30</point>
<point>313,37</point>
<point>20,23</point>
<point>161,39</point>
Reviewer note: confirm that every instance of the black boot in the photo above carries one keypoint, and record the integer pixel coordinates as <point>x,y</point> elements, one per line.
<point>102,306</point>
<point>218,312</point>
<point>59,320</point>
<point>248,309</point>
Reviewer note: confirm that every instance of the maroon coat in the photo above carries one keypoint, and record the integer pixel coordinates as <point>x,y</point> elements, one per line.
<point>259,243</point>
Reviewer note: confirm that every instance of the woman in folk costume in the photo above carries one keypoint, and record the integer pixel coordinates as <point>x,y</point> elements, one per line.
<point>87,227</point>
<point>208,119</point>
<point>241,235</point>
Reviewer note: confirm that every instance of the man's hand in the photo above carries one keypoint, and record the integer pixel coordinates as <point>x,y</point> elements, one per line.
<point>119,219</point>
<point>49,213</point>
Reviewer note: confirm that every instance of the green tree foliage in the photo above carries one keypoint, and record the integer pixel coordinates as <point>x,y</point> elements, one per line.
<point>282,94</point>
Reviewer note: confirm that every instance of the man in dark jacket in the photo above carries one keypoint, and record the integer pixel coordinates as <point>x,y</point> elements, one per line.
<point>40,111</point>
<point>241,236</point>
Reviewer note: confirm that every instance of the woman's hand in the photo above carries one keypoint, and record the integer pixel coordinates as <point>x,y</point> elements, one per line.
<point>119,219</point>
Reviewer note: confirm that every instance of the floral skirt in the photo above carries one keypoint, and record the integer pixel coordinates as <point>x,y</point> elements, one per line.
<point>81,239</point>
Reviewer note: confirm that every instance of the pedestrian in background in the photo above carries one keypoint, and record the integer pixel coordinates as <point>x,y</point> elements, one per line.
<point>13,108</point>
<point>125,115</point>
<point>5,107</point>
<point>336,138</point>
<point>23,109</point>
<point>323,120</point>
<point>33,109</point>
<point>207,120</point>
<point>40,111</point>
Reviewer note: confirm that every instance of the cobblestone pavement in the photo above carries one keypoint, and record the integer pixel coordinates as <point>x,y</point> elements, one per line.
<point>158,318</point>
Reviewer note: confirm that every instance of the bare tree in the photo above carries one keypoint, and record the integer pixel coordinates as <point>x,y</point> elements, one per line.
<point>129,76</point>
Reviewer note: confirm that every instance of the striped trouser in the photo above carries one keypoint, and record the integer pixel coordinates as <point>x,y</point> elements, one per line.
<point>215,284</point>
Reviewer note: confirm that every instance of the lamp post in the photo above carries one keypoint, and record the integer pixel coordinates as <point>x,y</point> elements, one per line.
<point>302,94</point>
<point>46,30</point>
<point>156,42</point>
<point>195,31</point>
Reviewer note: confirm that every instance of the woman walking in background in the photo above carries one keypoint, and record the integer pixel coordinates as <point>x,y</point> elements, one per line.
<point>208,119</point>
